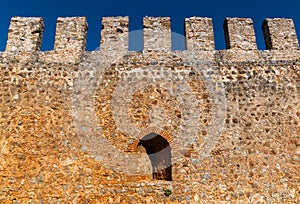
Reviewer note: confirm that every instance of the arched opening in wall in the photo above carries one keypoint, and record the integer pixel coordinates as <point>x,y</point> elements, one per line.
<point>159,152</point>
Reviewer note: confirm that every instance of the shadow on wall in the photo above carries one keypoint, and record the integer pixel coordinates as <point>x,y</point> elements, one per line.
<point>159,152</point>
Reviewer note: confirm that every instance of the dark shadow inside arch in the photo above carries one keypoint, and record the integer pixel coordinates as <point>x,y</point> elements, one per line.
<point>159,152</point>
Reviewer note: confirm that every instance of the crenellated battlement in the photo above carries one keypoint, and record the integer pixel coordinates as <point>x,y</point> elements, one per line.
<point>114,34</point>
<point>199,34</point>
<point>280,34</point>
<point>25,35</point>
<point>112,126</point>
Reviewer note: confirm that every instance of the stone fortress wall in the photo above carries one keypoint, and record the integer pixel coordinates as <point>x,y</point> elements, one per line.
<point>71,120</point>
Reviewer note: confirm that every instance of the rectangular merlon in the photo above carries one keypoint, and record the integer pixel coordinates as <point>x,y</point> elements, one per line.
<point>199,34</point>
<point>239,34</point>
<point>280,34</point>
<point>70,35</point>
<point>157,33</point>
<point>114,34</point>
<point>25,35</point>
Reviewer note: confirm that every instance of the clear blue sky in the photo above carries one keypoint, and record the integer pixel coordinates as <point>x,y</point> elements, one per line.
<point>94,10</point>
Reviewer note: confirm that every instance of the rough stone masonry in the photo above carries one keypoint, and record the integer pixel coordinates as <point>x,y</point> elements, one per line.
<point>107,126</point>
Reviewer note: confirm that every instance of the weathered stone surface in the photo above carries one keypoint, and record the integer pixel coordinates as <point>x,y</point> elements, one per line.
<point>71,121</point>
<point>114,34</point>
<point>24,35</point>
<point>199,34</point>
<point>280,34</point>
<point>157,34</point>
<point>239,33</point>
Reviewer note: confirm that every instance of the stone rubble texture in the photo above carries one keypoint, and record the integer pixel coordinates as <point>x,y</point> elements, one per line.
<point>240,34</point>
<point>55,132</point>
<point>195,27</point>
